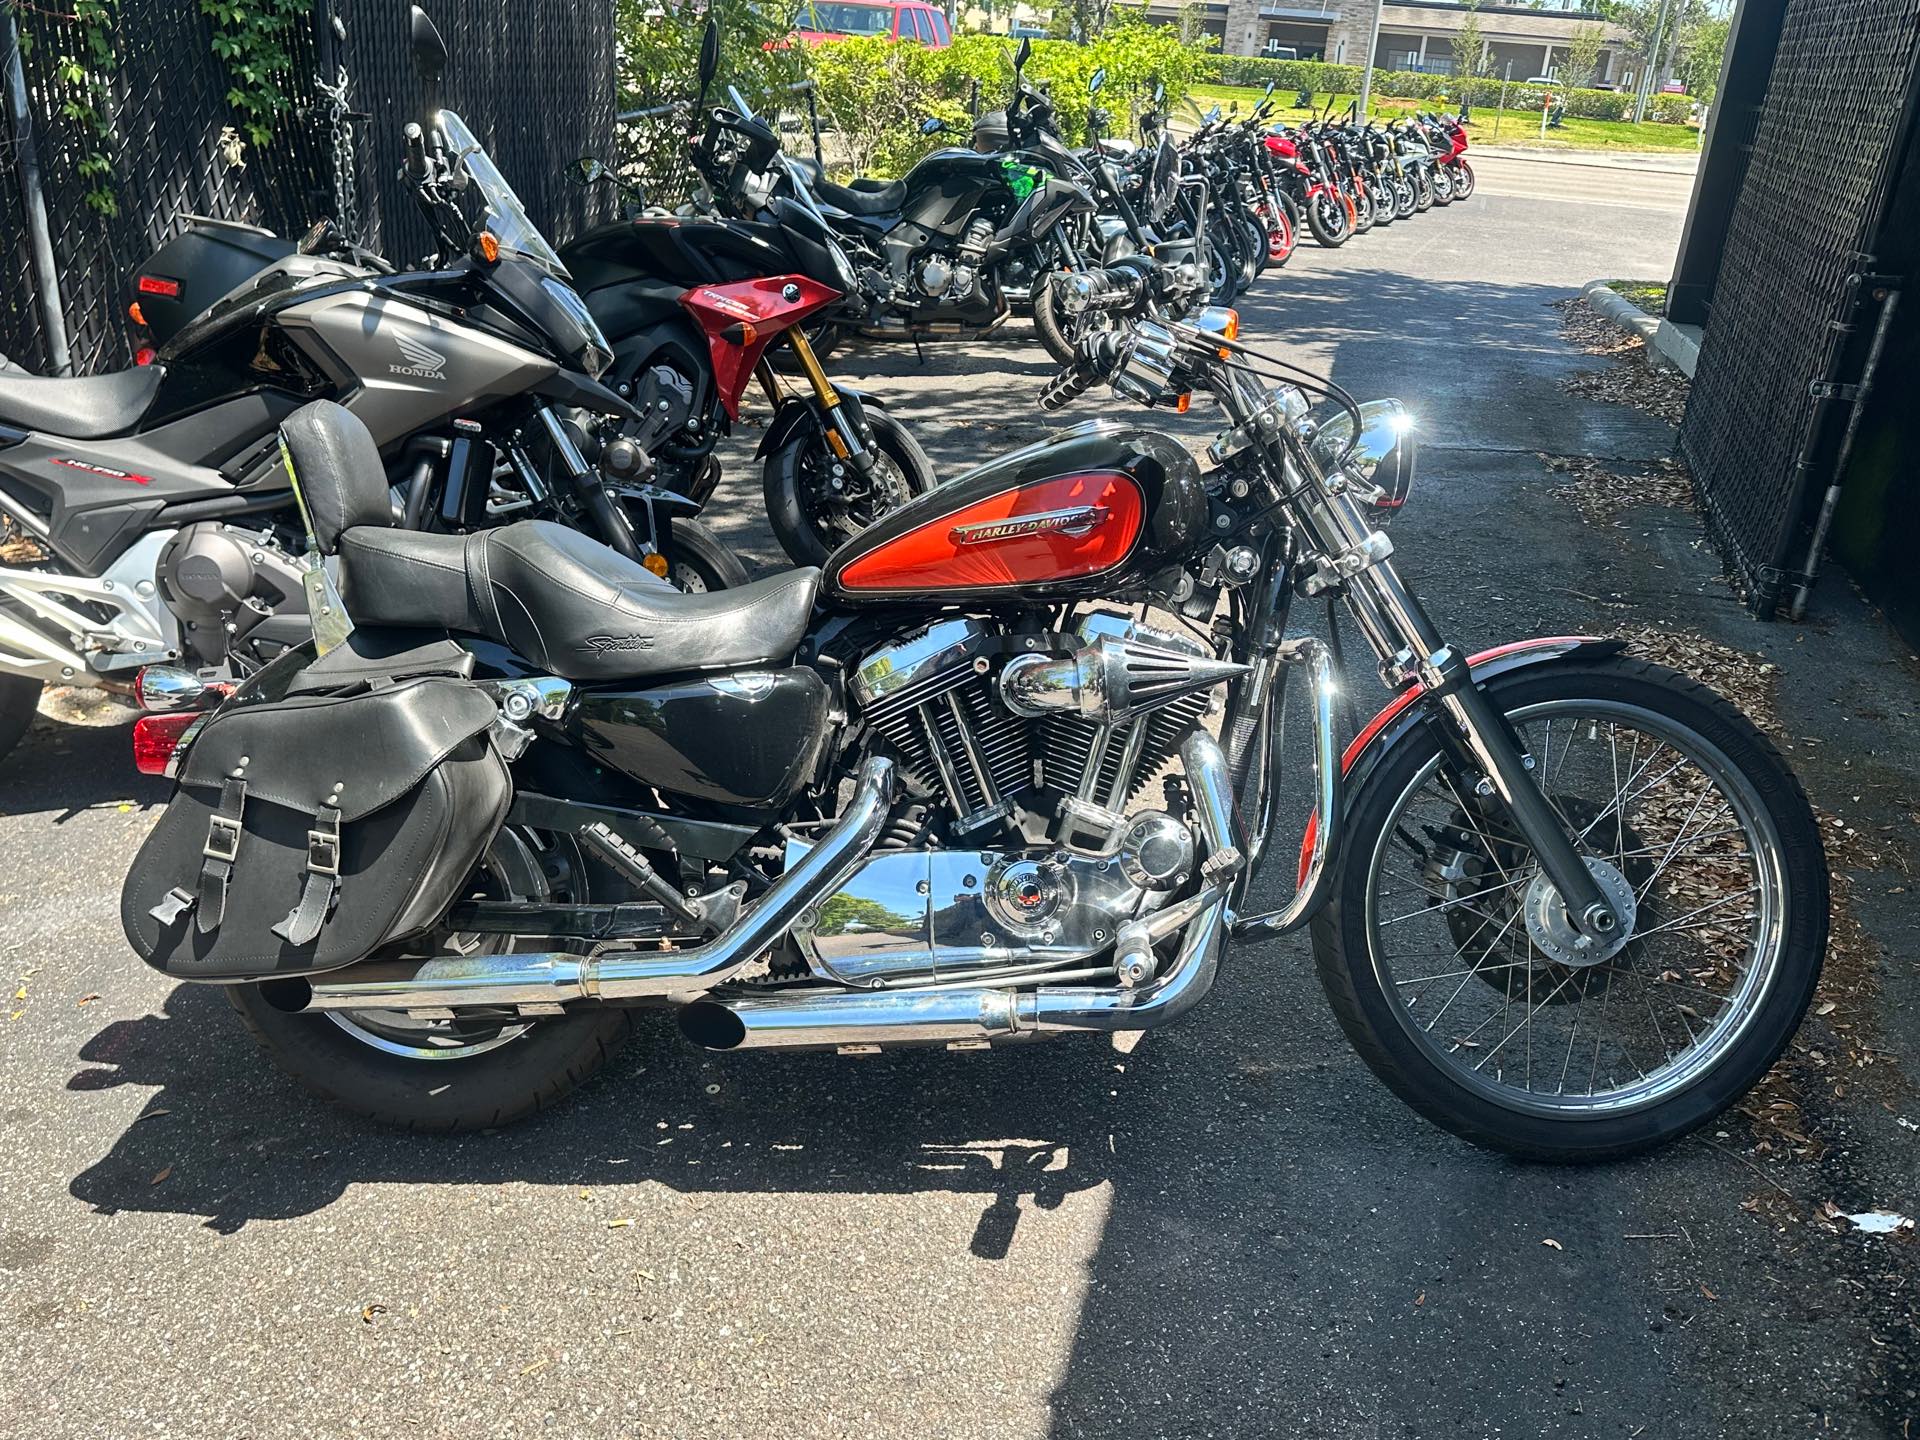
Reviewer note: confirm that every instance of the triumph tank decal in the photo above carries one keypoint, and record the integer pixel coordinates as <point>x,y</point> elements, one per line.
<point>1080,520</point>
<point>423,361</point>
<point>107,470</point>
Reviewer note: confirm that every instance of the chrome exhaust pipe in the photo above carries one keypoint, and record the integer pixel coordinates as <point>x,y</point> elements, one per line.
<point>850,1019</point>
<point>556,978</point>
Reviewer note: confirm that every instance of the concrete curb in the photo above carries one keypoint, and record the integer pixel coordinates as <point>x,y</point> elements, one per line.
<point>1649,161</point>
<point>1623,312</point>
<point>1680,344</point>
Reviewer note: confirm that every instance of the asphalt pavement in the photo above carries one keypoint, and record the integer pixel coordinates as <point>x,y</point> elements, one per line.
<point>1231,1230</point>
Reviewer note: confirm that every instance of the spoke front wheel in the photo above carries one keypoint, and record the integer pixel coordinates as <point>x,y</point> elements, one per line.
<point>1458,975</point>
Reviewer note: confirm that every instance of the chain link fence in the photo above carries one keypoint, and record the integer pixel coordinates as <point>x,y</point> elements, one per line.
<point>533,78</point>
<point>1787,309</point>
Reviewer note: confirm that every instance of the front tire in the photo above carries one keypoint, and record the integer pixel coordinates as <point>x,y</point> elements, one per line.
<point>1327,219</point>
<point>19,702</point>
<point>1057,330</point>
<point>1434,996</point>
<point>1463,181</point>
<point>807,519</point>
<point>698,562</point>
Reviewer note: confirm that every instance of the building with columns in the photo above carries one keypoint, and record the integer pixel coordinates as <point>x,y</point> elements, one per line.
<point>1414,34</point>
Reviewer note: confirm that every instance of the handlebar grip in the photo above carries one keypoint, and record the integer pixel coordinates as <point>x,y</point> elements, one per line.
<point>416,152</point>
<point>1098,356</point>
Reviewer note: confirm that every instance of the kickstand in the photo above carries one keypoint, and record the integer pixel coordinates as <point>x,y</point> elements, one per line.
<point>918,353</point>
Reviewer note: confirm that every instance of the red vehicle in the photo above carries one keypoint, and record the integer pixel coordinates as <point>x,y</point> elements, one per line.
<point>897,19</point>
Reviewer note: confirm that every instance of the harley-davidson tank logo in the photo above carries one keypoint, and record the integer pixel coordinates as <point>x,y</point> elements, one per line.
<point>423,361</point>
<point>107,470</point>
<point>613,644</point>
<point>1080,520</point>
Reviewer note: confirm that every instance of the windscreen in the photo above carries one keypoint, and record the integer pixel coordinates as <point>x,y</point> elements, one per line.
<point>505,217</point>
<point>839,18</point>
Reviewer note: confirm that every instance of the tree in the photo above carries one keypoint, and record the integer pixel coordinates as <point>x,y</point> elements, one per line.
<point>1468,46</point>
<point>1583,57</point>
<point>1701,51</point>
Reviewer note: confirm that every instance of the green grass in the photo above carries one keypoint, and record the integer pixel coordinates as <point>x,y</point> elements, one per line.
<point>1648,295</point>
<point>1515,127</point>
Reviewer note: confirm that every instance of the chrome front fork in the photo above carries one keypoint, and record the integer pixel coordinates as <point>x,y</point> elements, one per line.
<point>1411,647</point>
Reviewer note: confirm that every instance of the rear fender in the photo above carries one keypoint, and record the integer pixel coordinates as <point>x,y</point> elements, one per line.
<point>798,412</point>
<point>1401,715</point>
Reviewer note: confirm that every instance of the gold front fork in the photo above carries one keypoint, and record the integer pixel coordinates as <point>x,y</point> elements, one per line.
<point>840,437</point>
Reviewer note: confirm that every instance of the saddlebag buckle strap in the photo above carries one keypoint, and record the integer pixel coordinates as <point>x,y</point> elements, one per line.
<point>322,886</point>
<point>175,903</point>
<point>221,849</point>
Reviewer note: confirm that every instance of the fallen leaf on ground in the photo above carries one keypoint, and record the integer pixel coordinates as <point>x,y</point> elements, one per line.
<point>619,1224</point>
<point>161,1176</point>
<point>1553,1244</point>
<point>540,1364</point>
<point>367,1312</point>
<point>87,999</point>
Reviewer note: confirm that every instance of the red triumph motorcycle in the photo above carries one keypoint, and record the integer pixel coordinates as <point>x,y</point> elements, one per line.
<point>1565,902</point>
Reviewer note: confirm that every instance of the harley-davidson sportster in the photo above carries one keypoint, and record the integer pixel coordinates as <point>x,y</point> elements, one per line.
<point>1564,902</point>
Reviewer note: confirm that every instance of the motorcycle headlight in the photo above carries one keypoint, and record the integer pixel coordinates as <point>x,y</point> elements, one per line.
<point>593,353</point>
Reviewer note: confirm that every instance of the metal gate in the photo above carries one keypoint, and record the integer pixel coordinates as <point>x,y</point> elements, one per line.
<point>1797,280</point>
<point>534,79</point>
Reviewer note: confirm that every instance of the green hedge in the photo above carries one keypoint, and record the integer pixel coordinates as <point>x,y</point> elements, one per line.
<point>1296,75</point>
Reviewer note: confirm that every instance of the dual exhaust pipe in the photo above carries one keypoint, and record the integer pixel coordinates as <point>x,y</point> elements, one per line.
<point>948,1014</point>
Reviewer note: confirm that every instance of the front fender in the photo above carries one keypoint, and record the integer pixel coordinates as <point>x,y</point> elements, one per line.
<point>796,412</point>
<point>1398,716</point>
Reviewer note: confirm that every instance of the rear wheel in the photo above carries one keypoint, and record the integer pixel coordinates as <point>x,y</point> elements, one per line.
<point>476,1071</point>
<point>19,700</point>
<point>1452,967</point>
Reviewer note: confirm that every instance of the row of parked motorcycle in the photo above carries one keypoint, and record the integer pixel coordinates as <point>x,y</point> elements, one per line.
<point>462,781</point>
<point>145,514</point>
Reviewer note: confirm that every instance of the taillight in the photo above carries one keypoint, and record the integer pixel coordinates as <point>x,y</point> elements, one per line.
<point>158,285</point>
<point>144,355</point>
<point>156,737</point>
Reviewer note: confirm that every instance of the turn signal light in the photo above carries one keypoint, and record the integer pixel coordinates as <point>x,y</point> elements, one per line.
<point>156,737</point>
<point>486,248</point>
<point>656,563</point>
<point>136,314</point>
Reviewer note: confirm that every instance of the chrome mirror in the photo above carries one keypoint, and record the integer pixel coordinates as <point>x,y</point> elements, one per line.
<point>1379,464</point>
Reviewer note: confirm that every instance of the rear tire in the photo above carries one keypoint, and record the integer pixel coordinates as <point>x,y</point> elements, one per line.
<point>19,701</point>
<point>494,1087</point>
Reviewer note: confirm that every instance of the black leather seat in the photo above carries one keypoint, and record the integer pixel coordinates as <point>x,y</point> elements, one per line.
<point>560,600</point>
<point>868,201</point>
<point>87,407</point>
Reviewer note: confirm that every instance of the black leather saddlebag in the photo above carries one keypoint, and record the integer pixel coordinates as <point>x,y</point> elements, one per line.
<point>310,831</point>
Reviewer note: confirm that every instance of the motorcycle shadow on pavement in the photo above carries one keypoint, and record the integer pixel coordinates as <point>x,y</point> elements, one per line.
<point>64,767</point>
<point>239,1142</point>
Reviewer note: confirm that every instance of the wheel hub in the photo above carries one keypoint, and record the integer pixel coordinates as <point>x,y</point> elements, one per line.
<point>1553,931</point>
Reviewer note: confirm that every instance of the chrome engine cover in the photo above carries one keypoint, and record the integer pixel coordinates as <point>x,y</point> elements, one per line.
<point>926,915</point>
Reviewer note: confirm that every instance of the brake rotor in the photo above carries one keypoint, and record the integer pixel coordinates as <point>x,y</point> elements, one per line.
<point>1490,896</point>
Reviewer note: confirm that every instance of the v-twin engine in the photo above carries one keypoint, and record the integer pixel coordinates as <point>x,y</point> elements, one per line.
<point>1036,746</point>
